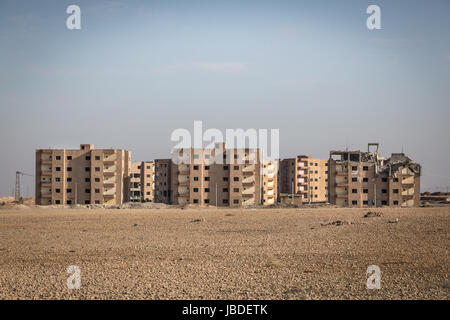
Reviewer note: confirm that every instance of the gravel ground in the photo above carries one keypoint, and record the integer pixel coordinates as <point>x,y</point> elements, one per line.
<point>224,253</point>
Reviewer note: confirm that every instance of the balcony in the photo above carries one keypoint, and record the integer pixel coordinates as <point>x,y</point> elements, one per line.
<point>184,183</point>
<point>46,195</point>
<point>407,196</point>
<point>250,180</point>
<point>249,191</point>
<point>46,184</point>
<point>109,161</point>
<point>46,173</point>
<point>341,172</point>
<point>248,169</point>
<point>183,170</point>
<point>342,184</point>
<point>342,195</point>
<point>109,173</point>
<point>408,184</point>
<point>109,196</point>
<point>46,161</point>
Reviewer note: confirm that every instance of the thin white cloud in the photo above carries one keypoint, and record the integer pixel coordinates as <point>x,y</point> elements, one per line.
<point>223,67</point>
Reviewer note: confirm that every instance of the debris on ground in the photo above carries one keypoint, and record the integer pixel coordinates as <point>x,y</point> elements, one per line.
<point>229,215</point>
<point>372,214</point>
<point>335,223</point>
<point>198,220</point>
<point>393,221</point>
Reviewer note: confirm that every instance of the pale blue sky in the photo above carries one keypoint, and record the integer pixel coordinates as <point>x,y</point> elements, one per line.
<point>137,70</point>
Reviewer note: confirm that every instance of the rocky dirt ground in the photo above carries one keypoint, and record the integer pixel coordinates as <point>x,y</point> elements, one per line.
<point>224,253</point>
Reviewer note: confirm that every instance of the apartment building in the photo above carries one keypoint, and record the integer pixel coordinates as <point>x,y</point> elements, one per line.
<point>236,180</point>
<point>163,181</point>
<point>270,182</point>
<point>306,176</point>
<point>359,179</point>
<point>81,176</point>
<point>142,182</point>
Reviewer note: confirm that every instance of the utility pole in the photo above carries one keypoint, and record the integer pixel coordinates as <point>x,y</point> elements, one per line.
<point>76,193</point>
<point>216,194</point>
<point>17,187</point>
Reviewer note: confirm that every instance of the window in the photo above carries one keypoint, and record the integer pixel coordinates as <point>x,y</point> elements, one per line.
<point>365,190</point>
<point>57,179</point>
<point>69,168</point>
<point>225,201</point>
<point>354,179</point>
<point>395,179</point>
<point>365,168</point>
<point>195,167</point>
<point>87,190</point>
<point>69,157</point>
<point>139,167</point>
<point>395,202</point>
<point>384,203</point>
<point>206,189</point>
<point>316,172</point>
<point>88,158</point>
<point>354,168</point>
<point>195,190</point>
<point>57,202</point>
<point>206,200</point>
<point>69,179</point>
<point>69,201</point>
<point>69,190</point>
<point>195,201</point>
<point>384,179</point>
<point>395,190</point>
<point>236,201</point>
<point>97,190</point>
<point>97,179</point>
<point>354,202</point>
<point>206,167</point>
<point>57,190</point>
<point>87,169</point>
<point>97,202</point>
<point>236,179</point>
<point>58,157</point>
<point>365,179</point>
<point>235,189</point>
<point>195,178</point>
<point>97,158</point>
<point>196,156</point>
<point>58,168</point>
<point>383,190</point>
<point>225,167</point>
<point>97,169</point>
<point>87,179</point>
<point>148,184</point>
<point>354,191</point>
<point>316,164</point>
<point>206,178</point>
<point>207,156</point>
<point>148,193</point>
<point>225,190</point>
<point>236,167</point>
<point>315,188</point>
<point>87,202</point>
<point>315,196</point>
<point>365,202</point>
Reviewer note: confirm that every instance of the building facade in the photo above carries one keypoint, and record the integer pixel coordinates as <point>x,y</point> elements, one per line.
<point>142,182</point>
<point>236,180</point>
<point>360,179</point>
<point>306,176</point>
<point>81,176</point>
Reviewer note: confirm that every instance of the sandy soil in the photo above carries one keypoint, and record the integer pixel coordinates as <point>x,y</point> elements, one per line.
<point>224,253</point>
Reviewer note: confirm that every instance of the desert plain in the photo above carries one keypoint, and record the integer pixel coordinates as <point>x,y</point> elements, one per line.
<point>211,253</point>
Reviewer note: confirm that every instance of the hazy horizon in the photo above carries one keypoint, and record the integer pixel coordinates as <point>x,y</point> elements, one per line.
<point>137,70</point>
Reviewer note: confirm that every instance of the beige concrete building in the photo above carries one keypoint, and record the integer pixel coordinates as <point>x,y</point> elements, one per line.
<point>359,179</point>
<point>237,180</point>
<point>83,176</point>
<point>142,182</point>
<point>306,176</point>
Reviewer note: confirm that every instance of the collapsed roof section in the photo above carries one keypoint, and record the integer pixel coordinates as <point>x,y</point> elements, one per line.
<point>390,165</point>
<point>400,160</point>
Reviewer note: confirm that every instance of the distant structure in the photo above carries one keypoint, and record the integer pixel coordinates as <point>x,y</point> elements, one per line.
<point>304,176</point>
<point>83,176</point>
<point>360,179</point>
<point>243,178</point>
<point>141,182</point>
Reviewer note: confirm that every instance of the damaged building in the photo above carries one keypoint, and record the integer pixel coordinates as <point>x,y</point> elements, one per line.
<point>360,179</point>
